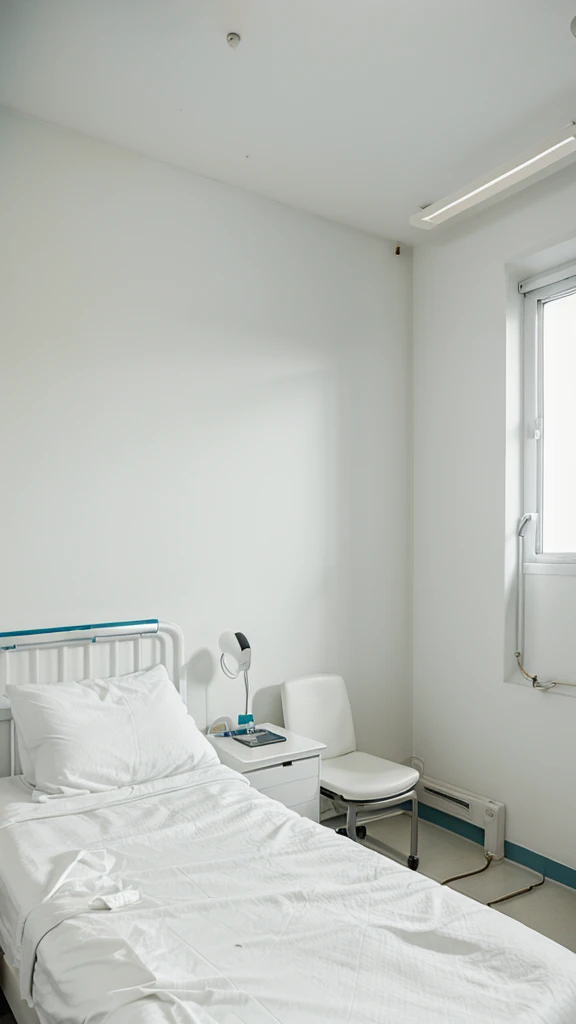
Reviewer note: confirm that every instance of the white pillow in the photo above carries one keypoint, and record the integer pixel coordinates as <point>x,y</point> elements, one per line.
<point>98,734</point>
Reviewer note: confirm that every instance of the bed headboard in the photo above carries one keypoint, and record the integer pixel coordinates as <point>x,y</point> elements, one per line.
<point>81,652</point>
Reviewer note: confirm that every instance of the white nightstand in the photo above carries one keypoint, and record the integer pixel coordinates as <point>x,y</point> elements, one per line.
<point>288,772</point>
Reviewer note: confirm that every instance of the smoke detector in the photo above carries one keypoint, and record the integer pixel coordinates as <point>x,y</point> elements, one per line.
<point>233,39</point>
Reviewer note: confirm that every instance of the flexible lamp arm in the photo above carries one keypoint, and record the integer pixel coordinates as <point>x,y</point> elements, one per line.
<point>247,688</point>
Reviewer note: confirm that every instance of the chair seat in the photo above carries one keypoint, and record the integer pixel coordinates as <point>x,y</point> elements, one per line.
<point>358,776</point>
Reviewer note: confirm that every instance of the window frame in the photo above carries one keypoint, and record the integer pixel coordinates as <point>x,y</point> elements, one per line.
<point>535,559</point>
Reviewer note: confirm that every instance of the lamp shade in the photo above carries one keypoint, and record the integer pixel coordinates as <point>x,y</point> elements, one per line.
<point>236,646</point>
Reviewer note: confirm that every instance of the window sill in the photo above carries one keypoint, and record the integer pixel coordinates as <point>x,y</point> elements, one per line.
<point>549,568</point>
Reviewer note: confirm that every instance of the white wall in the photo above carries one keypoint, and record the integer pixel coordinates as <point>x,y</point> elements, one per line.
<point>205,415</point>
<point>472,728</point>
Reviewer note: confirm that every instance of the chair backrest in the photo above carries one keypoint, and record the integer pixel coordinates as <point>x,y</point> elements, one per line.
<point>318,707</point>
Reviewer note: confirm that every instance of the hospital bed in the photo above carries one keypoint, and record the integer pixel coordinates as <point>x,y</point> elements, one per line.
<point>245,912</point>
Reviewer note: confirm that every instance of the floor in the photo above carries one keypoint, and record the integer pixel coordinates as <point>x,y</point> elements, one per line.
<point>550,909</point>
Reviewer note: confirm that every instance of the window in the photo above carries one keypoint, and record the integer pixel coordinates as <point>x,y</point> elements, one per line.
<point>550,408</point>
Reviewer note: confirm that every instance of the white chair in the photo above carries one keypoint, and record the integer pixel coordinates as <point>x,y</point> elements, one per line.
<point>318,707</point>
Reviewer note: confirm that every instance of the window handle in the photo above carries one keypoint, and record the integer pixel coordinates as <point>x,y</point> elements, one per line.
<point>536,429</point>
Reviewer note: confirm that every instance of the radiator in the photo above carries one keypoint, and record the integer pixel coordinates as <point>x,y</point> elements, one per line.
<point>489,815</point>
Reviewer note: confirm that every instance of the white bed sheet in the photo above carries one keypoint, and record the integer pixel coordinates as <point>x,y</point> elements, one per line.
<point>250,914</point>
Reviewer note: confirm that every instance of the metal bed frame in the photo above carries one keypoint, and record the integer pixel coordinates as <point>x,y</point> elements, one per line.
<point>101,649</point>
<point>80,652</point>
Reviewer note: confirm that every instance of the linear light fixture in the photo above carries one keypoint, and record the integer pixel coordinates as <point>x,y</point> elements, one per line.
<point>532,162</point>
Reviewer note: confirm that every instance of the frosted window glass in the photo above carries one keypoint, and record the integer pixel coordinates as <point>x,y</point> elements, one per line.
<point>559,416</point>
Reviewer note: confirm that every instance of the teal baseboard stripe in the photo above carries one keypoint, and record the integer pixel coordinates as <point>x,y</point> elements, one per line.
<point>537,862</point>
<point>512,851</point>
<point>452,824</point>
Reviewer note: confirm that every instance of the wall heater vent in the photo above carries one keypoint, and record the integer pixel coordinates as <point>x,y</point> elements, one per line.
<point>489,815</point>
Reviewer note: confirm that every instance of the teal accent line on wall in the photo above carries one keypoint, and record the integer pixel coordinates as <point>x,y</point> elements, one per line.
<point>512,851</point>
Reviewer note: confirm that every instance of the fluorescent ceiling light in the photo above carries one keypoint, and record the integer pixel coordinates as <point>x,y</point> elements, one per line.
<point>527,165</point>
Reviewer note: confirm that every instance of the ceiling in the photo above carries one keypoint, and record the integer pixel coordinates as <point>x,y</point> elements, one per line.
<point>357,110</point>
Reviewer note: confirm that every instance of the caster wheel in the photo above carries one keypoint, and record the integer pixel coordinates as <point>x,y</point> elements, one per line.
<point>341,832</point>
<point>361,831</point>
<point>413,863</point>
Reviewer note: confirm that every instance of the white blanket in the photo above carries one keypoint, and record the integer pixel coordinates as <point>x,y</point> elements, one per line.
<point>246,912</point>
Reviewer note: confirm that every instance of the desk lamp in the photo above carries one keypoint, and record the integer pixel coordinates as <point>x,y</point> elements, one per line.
<point>235,646</point>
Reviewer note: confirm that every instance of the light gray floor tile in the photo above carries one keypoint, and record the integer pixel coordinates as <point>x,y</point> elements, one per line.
<point>550,909</point>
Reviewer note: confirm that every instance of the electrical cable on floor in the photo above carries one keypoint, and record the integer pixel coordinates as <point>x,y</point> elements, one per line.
<point>468,874</point>
<point>517,892</point>
<point>500,899</point>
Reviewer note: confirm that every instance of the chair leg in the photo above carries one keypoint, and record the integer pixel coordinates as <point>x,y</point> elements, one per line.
<point>351,822</point>
<point>413,858</point>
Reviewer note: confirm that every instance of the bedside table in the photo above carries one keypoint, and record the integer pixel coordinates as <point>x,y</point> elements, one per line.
<point>288,772</point>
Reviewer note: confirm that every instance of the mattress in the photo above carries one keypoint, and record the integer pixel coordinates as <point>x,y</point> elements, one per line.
<point>245,912</point>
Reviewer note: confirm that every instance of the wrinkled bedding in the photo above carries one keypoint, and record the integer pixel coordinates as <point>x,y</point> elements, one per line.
<point>228,908</point>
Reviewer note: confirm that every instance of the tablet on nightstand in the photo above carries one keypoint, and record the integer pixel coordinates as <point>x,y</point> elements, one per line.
<point>260,738</point>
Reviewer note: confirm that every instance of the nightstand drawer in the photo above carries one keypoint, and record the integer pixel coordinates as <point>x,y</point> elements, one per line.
<point>288,772</point>
<point>292,793</point>
<point>280,774</point>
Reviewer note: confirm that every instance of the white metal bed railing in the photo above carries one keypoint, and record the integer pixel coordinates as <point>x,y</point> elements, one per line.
<point>81,652</point>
